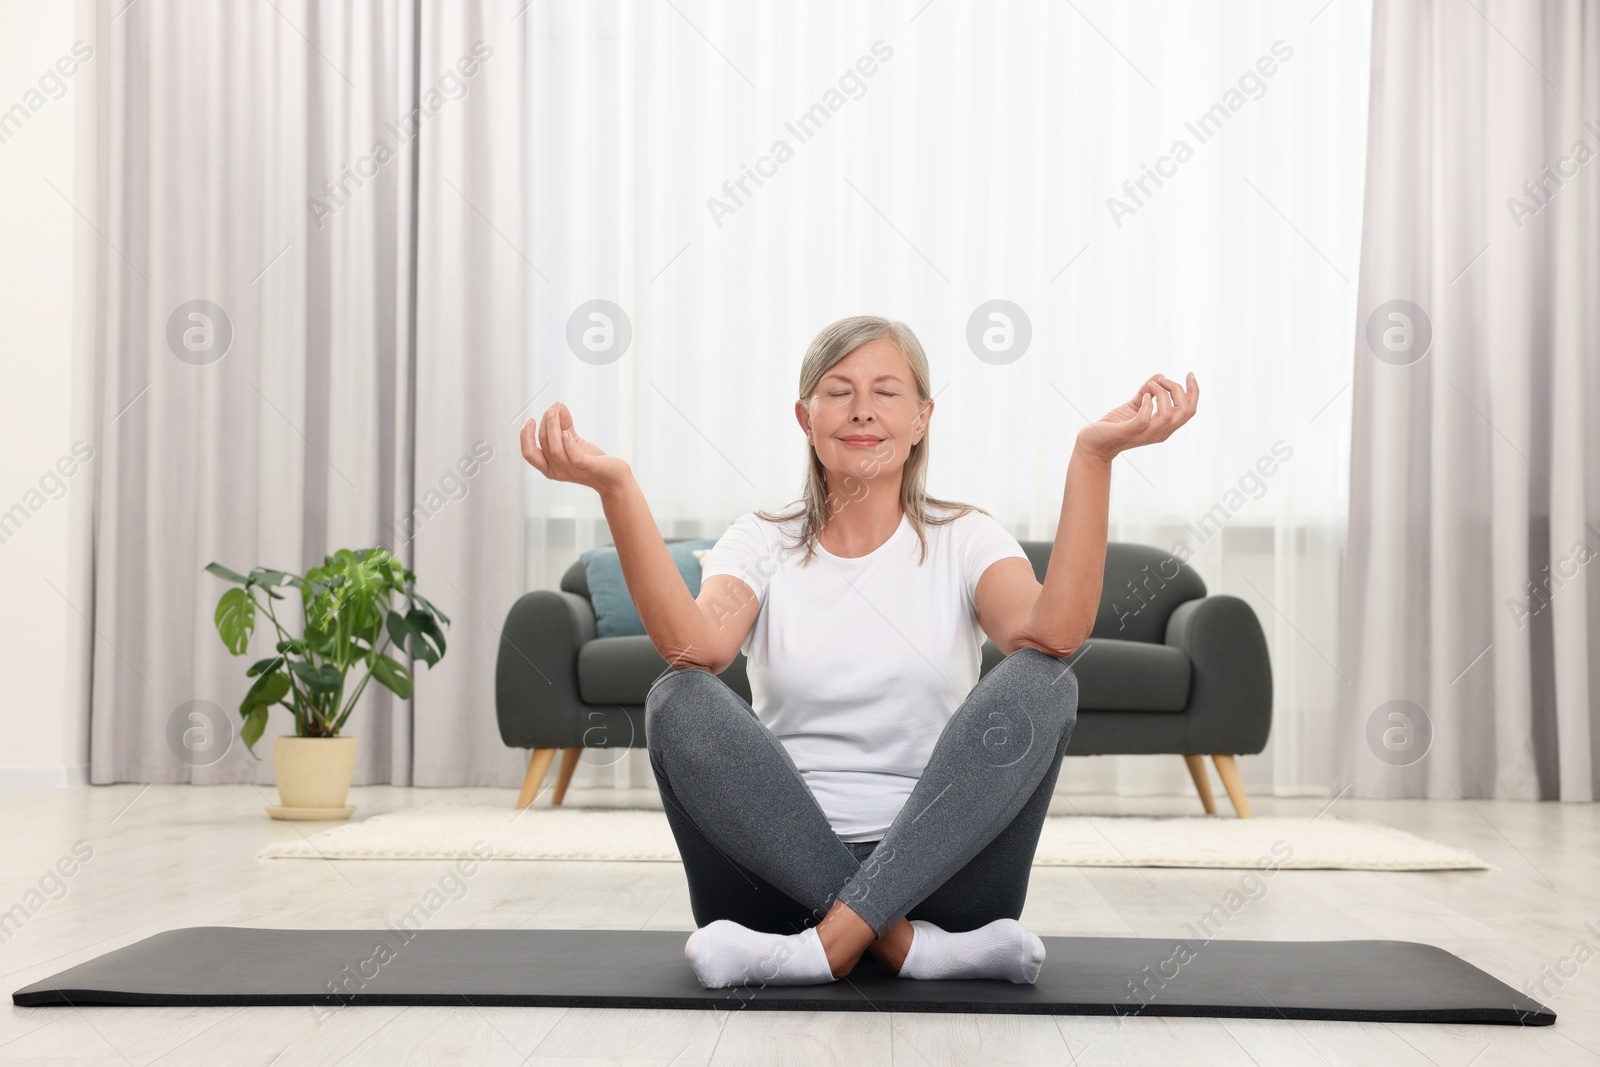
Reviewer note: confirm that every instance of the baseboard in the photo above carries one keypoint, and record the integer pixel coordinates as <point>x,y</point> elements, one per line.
<point>61,777</point>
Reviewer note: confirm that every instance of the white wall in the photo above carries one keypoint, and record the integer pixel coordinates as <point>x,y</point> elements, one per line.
<point>43,729</point>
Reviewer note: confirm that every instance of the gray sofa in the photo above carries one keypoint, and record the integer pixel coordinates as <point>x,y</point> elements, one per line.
<point>1167,670</point>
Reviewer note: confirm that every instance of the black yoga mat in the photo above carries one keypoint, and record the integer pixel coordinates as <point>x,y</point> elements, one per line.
<point>1372,981</point>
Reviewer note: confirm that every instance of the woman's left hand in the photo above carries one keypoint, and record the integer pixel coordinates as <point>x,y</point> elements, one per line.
<point>1157,410</point>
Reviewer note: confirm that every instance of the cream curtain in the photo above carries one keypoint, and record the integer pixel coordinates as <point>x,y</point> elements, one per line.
<point>1471,630</point>
<point>290,165</point>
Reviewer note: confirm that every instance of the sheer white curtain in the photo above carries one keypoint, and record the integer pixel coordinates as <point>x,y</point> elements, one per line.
<point>734,178</point>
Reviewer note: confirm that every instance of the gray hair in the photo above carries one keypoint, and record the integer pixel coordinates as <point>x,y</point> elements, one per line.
<point>834,343</point>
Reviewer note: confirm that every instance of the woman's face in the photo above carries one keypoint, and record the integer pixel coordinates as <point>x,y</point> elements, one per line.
<point>863,416</point>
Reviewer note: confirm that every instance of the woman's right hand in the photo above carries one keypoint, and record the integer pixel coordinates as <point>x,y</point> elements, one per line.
<point>554,448</point>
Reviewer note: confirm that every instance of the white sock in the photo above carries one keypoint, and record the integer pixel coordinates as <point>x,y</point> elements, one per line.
<point>1003,949</point>
<point>725,953</point>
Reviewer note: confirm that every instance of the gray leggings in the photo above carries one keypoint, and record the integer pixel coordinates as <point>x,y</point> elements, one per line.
<point>758,849</point>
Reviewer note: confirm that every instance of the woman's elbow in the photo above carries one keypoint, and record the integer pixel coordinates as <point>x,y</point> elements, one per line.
<point>681,657</point>
<point>1049,646</point>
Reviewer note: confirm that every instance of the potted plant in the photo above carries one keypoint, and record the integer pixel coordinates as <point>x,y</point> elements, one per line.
<point>349,617</point>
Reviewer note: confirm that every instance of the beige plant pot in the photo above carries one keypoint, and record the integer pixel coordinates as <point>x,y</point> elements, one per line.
<point>313,772</point>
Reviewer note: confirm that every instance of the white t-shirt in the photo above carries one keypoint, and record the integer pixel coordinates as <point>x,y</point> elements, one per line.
<point>856,665</point>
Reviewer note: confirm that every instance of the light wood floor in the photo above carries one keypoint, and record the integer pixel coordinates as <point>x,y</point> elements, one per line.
<point>171,856</point>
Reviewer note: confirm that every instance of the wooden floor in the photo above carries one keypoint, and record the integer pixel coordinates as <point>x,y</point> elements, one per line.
<point>171,856</point>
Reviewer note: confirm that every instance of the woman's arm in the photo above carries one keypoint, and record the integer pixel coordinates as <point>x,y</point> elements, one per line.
<point>1063,612</point>
<point>672,618</point>
<point>681,628</point>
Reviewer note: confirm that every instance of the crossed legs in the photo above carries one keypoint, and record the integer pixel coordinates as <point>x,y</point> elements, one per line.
<point>758,850</point>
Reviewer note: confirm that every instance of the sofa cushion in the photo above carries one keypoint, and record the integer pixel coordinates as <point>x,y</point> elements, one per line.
<point>1115,675</point>
<point>1112,675</point>
<point>614,613</point>
<point>575,579</point>
<point>1130,676</point>
<point>617,670</point>
<point>620,670</point>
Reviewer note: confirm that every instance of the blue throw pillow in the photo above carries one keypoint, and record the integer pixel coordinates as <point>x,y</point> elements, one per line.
<point>614,613</point>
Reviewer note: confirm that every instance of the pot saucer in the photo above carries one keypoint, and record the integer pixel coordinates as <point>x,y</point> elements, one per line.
<point>309,814</point>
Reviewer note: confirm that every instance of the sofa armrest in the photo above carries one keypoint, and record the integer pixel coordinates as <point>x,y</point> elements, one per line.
<point>536,670</point>
<point>1230,682</point>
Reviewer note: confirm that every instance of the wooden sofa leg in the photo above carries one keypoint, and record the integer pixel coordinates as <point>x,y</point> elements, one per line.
<point>1228,770</point>
<point>1202,782</point>
<point>569,763</point>
<point>538,766</point>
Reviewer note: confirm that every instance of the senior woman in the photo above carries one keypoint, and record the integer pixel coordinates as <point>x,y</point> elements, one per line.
<point>874,795</point>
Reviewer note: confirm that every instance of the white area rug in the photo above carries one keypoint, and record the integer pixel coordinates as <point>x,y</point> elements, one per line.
<point>440,830</point>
